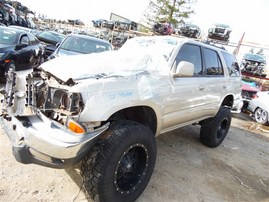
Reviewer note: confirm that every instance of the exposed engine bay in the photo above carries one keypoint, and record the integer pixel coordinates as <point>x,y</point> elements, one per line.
<point>40,91</point>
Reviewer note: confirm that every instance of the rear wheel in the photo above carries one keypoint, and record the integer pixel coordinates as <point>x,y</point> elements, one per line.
<point>120,167</point>
<point>214,130</point>
<point>261,116</point>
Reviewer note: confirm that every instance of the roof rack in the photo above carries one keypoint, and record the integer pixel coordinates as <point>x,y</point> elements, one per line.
<point>213,44</point>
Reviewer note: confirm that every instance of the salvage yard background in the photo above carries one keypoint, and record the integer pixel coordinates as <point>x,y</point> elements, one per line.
<point>238,170</point>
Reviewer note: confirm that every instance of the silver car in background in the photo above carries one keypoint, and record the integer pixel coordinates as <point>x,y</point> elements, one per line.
<point>74,44</point>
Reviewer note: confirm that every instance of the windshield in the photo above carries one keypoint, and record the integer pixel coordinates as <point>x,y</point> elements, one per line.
<point>8,37</point>
<point>121,63</point>
<point>84,45</point>
<point>52,36</point>
<point>156,45</point>
<point>140,54</point>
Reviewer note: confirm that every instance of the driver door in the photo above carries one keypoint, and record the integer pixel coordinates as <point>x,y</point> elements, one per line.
<point>24,54</point>
<point>187,96</point>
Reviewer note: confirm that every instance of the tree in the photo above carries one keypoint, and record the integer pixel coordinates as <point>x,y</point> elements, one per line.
<point>150,14</point>
<point>173,11</point>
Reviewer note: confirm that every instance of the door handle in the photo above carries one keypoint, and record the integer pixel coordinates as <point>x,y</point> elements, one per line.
<point>224,86</point>
<point>201,88</point>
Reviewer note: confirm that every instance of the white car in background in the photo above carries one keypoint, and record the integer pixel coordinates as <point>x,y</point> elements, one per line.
<point>259,105</point>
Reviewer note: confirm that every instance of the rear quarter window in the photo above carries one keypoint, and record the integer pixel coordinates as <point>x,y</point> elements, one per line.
<point>232,64</point>
<point>212,63</point>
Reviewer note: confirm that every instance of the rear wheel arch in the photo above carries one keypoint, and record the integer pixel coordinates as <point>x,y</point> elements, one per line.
<point>228,101</point>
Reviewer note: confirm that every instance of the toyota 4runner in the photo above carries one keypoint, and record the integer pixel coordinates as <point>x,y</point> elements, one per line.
<point>104,110</point>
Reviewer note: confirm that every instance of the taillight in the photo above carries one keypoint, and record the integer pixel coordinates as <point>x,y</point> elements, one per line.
<point>254,96</point>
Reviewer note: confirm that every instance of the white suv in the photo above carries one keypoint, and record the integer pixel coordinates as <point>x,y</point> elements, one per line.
<point>105,109</point>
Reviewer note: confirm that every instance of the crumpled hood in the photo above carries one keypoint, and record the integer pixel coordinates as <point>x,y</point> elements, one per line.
<point>106,63</point>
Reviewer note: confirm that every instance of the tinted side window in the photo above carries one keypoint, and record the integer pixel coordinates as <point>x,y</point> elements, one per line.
<point>33,40</point>
<point>212,62</point>
<point>191,53</point>
<point>25,40</point>
<point>232,64</point>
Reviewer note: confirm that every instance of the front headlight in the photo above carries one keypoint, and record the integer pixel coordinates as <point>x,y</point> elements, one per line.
<point>71,102</point>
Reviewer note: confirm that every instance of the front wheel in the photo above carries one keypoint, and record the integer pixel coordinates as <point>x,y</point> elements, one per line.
<point>7,67</point>
<point>261,116</point>
<point>214,130</point>
<point>120,167</point>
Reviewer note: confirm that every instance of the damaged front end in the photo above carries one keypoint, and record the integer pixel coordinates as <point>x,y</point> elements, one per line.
<point>41,117</point>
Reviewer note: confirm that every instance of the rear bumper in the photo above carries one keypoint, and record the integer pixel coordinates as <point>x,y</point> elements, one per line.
<point>237,106</point>
<point>39,140</point>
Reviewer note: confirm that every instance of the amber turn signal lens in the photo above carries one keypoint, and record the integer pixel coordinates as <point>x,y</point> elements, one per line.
<point>75,127</point>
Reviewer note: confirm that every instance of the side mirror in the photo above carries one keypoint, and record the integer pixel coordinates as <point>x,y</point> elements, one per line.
<point>184,69</point>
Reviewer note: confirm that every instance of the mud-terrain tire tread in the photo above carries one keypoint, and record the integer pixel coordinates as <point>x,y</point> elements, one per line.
<point>210,126</point>
<point>93,166</point>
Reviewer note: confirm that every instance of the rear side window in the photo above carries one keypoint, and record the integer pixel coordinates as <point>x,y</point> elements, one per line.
<point>232,64</point>
<point>213,63</point>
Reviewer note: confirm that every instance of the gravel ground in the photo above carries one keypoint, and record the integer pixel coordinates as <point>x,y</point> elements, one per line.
<point>186,170</point>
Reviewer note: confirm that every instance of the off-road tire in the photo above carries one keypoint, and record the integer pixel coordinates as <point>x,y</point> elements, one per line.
<point>261,116</point>
<point>214,130</point>
<point>119,167</point>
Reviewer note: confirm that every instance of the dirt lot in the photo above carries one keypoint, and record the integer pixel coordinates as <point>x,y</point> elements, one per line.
<point>238,170</point>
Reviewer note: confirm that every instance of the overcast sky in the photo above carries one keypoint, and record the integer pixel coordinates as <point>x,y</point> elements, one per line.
<point>242,15</point>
